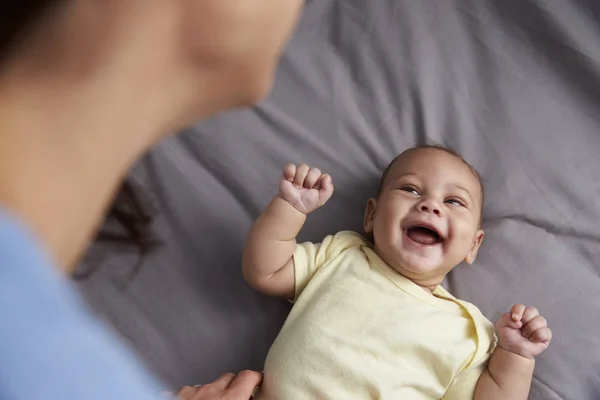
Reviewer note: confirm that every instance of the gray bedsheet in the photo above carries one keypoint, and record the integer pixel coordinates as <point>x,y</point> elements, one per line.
<point>512,84</point>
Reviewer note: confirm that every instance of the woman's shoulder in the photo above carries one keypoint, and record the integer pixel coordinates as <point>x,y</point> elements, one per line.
<point>51,345</point>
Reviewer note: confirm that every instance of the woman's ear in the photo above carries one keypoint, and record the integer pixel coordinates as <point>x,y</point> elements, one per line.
<point>369,215</point>
<point>472,255</point>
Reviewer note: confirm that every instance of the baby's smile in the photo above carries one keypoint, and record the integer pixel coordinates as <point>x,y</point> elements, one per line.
<point>424,233</point>
<point>424,236</point>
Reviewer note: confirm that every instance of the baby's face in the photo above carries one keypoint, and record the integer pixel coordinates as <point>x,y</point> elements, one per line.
<point>426,219</point>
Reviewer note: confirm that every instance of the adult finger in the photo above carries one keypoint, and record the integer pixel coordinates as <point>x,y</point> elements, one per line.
<point>187,392</point>
<point>244,384</point>
<point>222,382</point>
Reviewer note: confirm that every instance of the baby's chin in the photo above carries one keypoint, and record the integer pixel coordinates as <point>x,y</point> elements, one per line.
<point>419,268</point>
<point>413,265</point>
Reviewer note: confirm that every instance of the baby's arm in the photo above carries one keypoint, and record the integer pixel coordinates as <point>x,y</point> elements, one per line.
<point>523,334</point>
<point>268,265</point>
<point>508,376</point>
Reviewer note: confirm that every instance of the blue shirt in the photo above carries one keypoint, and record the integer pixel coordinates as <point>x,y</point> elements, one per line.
<point>51,346</point>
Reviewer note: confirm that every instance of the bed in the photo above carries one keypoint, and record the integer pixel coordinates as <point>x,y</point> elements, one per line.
<point>513,85</point>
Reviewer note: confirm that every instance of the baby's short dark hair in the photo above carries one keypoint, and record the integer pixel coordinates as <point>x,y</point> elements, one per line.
<point>433,147</point>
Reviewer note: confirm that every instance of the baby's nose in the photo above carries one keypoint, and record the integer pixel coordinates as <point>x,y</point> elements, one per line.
<point>430,206</point>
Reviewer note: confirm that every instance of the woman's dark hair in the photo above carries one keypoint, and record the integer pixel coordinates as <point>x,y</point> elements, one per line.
<point>127,227</point>
<point>16,17</point>
<point>129,219</point>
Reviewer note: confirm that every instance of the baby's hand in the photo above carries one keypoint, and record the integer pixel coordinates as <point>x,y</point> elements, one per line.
<point>305,188</point>
<point>523,331</point>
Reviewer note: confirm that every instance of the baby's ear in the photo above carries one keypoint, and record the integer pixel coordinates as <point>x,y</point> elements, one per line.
<point>472,255</point>
<point>369,215</point>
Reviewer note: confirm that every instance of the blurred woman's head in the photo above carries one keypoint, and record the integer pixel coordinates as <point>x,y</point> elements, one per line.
<point>187,48</point>
<point>87,86</point>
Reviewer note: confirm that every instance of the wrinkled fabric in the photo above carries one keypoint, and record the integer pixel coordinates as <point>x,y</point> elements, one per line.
<point>513,85</point>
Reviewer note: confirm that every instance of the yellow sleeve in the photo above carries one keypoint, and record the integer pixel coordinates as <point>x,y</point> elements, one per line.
<point>309,257</point>
<point>465,383</point>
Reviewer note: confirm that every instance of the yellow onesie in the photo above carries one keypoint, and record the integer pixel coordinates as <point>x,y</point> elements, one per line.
<point>360,330</point>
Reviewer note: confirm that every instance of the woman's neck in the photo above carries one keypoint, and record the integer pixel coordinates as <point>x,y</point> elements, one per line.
<point>62,153</point>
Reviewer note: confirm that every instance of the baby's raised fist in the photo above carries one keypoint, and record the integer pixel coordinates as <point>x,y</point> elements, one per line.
<point>523,331</point>
<point>305,188</point>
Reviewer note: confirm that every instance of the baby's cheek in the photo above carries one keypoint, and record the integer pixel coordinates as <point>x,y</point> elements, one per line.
<point>466,228</point>
<point>464,239</point>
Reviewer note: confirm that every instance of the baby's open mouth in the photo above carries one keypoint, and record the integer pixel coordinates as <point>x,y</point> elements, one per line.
<point>424,235</point>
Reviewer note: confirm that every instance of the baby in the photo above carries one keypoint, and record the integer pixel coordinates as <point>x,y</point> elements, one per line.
<point>370,320</point>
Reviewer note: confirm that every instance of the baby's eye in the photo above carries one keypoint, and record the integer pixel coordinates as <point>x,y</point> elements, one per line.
<point>410,189</point>
<point>455,202</point>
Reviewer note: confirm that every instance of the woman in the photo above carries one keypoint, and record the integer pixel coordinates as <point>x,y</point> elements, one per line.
<point>86,87</point>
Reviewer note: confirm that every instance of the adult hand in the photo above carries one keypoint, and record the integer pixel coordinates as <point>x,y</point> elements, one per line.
<point>227,387</point>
